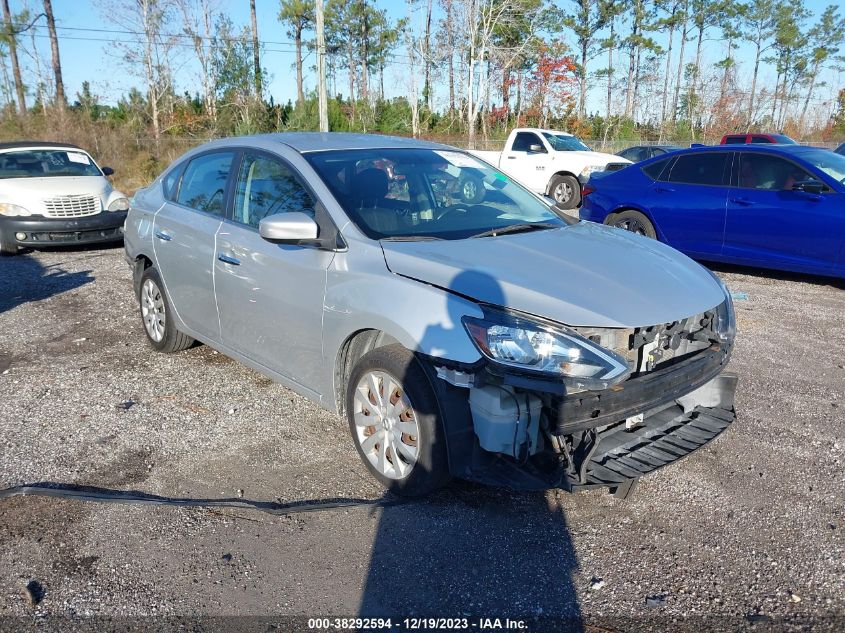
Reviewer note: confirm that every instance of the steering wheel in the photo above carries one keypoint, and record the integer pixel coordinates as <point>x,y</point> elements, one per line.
<point>452,210</point>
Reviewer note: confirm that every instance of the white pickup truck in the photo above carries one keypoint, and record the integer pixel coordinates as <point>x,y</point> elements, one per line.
<point>549,162</point>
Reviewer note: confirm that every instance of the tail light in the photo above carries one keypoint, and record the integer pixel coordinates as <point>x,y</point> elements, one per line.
<point>586,190</point>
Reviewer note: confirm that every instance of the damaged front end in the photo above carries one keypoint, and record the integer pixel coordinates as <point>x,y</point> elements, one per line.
<point>575,408</point>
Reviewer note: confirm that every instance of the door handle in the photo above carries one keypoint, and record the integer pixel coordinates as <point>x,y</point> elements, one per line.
<point>164,237</point>
<point>743,201</point>
<point>511,157</point>
<point>228,259</point>
<point>661,189</point>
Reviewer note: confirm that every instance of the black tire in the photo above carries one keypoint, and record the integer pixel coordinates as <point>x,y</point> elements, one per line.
<point>471,190</point>
<point>172,339</point>
<point>632,221</point>
<point>431,469</point>
<point>566,191</point>
<point>7,247</point>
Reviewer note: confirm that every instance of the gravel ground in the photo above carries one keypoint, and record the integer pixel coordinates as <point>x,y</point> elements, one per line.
<point>749,530</point>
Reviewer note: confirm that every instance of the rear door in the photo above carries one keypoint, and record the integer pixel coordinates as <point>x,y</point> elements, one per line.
<point>770,224</point>
<point>688,202</point>
<point>270,296</point>
<point>184,238</point>
<point>527,166</point>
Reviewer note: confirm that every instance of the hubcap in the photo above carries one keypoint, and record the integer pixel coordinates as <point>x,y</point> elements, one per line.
<point>632,225</point>
<point>152,310</point>
<point>563,192</point>
<point>385,425</point>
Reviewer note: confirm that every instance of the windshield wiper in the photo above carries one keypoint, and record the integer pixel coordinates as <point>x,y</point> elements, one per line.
<point>411,238</point>
<point>517,228</point>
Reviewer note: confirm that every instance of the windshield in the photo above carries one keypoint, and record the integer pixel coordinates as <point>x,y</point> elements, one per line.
<point>42,163</point>
<point>427,194</point>
<point>565,143</point>
<point>782,138</point>
<point>831,163</point>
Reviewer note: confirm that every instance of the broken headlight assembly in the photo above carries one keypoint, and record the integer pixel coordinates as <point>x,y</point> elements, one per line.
<point>531,345</point>
<point>725,321</point>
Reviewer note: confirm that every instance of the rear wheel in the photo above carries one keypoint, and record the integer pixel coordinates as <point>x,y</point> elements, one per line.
<point>395,422</point>
<point>632,221</point>
<point>566,191</point>
<point>157,316</point>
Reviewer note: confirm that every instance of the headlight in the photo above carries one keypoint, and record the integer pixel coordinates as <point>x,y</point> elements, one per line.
<point>589,169</point>
<point>521,342</point>
<point>13,209</point>
<point>119,204</point>
<point>725,325</point>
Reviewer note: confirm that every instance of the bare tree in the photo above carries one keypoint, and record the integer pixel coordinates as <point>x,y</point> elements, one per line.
<point>256,59</point>
<point>147,56</point>
<point>11,41</point>
<point>298,15</point>
<point>482,19</point>
<point>61,100</point>
<point>197,20</point>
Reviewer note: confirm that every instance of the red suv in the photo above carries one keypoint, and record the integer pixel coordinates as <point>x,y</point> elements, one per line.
<point>741,139</point>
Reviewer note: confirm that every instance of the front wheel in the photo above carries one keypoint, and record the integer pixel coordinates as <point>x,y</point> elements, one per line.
<point>566,191</point>
<point>395,422</point>
<point>632,221</point>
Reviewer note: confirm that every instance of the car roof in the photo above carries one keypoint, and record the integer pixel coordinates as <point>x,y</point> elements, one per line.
<point>305,142</point>
<point>787,148</point>
<point>34,144</point>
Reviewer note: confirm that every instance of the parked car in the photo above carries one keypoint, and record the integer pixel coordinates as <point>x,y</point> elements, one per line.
<point>771,206</point>
<point>840,149</point>
<point>744,139</point>
<point>500,341</point>
<point>641,152</point>
<point>548,162</point>
<point>55,194</point>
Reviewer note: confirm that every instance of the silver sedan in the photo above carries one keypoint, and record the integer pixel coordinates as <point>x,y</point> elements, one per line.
<point>490,338</point>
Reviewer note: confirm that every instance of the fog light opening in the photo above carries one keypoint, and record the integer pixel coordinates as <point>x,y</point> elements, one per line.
<point>20,236</point>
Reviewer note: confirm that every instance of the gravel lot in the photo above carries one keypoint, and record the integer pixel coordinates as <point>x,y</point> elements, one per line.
<point>749,529</point>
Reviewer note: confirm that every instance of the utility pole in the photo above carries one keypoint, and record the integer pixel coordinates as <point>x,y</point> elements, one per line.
<point>255,48</point>
<point>321,68</point>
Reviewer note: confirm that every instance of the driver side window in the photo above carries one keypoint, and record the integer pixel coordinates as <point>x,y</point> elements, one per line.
<point>204,183</point>
<point>267,186</point>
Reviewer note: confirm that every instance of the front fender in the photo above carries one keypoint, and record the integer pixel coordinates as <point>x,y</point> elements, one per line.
<point>362,294</point>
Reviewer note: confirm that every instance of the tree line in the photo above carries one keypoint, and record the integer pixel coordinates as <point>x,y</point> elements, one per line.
<point>660,70</point>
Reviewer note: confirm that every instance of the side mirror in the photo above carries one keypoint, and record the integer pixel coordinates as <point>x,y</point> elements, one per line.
<point>536,149</point>
<point>808,186</point>
<point>288,228</point>
<point>108,171</point>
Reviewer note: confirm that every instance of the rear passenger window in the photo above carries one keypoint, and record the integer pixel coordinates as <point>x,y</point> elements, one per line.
<point>760,139</point>
<point>265,187</point>
<point>653,170</point>
<point>699,169</point>
<point>204,183</point>
<point>170,183</point>
<point>735,140</point>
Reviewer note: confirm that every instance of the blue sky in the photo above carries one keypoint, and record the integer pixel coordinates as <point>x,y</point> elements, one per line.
<point>97,61</point>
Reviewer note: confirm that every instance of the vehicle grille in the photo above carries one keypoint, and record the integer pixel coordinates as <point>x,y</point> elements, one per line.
<point>71,206</point>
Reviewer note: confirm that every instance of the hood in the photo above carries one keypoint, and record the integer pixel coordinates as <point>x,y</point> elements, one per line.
<point>31,192</point>
<point>580,275</point>
<point>596,158</point>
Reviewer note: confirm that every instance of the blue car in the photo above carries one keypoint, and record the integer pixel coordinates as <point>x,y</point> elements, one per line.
<point>776,206</point>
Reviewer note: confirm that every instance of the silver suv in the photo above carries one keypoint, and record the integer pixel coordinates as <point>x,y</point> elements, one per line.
<point>494,339</point>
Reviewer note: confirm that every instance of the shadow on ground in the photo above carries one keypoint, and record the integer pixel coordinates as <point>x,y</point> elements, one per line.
<point>23,279</point>
<point>473,551</point>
